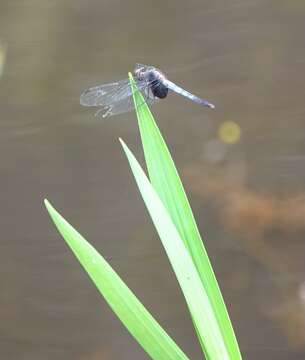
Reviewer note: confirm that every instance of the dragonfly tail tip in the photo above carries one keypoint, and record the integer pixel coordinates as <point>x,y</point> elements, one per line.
<point>210,105</point>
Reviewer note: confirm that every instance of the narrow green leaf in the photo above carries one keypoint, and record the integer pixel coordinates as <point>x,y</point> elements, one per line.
<point>187,275</point>
<point>123,302</point>
<point>165,179</point>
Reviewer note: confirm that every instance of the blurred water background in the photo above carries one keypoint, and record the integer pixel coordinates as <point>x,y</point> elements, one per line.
<point>243,166</point>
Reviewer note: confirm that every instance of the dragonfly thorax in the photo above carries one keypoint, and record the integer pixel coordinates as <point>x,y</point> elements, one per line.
<point>154,79</point>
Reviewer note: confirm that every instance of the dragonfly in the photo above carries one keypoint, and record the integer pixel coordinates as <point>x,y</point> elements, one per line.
<point>116,98</point>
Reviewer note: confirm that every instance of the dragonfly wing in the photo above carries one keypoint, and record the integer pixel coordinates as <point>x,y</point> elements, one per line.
<point>177,89</point>
<point>124,105</point>
<point>106,94</point>
<point>119,108</point>
<point>115,98</point>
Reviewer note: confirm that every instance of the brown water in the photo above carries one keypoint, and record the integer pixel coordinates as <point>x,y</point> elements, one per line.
<point>247,57</point>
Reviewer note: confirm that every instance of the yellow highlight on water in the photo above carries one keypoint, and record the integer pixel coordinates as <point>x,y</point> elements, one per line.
<point>229,132</point>
<point>2,56</point>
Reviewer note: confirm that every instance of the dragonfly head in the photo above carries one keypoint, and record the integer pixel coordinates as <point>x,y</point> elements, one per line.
<point>141,71</point>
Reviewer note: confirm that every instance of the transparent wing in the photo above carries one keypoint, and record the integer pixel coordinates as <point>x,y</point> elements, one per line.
<point>108,94</point>
<point>170,85</point>
<point>124,105</point>
<point>115,98</point>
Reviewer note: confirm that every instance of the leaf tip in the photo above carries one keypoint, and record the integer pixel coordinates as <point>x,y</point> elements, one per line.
<point>123,144</point>
<point>49,207</point>
<point>46,203</point>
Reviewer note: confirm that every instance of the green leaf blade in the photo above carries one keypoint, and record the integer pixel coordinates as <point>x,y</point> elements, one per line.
<point>142,326</point>
<point>165,179</point>
<point>194,292</point>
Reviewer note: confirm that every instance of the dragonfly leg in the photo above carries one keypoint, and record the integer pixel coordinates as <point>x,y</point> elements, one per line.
<point>148,94</point>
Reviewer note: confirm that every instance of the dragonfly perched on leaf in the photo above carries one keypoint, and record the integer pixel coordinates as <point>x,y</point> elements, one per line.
<point>116,98</point>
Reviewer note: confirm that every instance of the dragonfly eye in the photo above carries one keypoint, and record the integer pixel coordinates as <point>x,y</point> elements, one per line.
<point>140,73</point>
